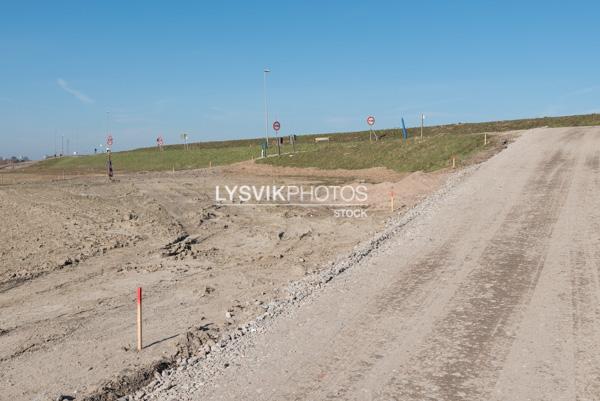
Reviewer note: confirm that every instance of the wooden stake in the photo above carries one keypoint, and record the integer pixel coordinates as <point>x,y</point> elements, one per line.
<point>139,319</point>
<point>210,164</point>
<point>454,162</point>
<point>392,201</point>
<point>485,138</point>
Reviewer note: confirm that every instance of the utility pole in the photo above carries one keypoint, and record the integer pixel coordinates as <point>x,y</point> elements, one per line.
<point>107,124</point>
<point>62,145</point>
<point>422,118</point>
<point>265,72</point>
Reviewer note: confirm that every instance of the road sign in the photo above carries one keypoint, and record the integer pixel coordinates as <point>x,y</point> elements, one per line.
<point>159,141</point>
<point>370,120</point>
<point>109,140</point>
<point>276,126</point>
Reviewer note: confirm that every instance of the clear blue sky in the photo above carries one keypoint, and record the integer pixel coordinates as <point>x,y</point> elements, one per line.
<point>163,68</point>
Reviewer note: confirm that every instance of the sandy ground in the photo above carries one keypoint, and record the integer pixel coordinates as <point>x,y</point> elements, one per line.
<point>489,290</point>
<point>73,252</point>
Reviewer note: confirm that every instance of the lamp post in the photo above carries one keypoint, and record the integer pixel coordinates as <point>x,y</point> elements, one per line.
<point>265,72</point>
<point>107,123</point>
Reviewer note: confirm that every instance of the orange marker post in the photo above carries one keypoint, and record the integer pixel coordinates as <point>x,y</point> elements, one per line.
<point>139,318</point>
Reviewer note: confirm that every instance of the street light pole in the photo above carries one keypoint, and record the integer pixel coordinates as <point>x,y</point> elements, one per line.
<point>265,72</point>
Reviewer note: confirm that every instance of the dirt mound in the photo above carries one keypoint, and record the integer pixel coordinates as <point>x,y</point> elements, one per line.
<point>375,174</point>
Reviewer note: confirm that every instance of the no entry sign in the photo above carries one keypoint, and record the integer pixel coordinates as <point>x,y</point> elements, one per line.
<point>276,126</point>
<point>370,120</point>
<point>109,140</point>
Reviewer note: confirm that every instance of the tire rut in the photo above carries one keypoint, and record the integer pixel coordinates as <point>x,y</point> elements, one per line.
<point>470,343</point>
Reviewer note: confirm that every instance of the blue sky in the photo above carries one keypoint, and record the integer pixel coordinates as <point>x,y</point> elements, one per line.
<point>163,68</point>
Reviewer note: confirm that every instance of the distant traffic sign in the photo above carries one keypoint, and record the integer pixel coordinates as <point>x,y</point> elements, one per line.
<point>276,126</point>
<point>109,140</point>
<point>159,141</point>
<point>370,120</point>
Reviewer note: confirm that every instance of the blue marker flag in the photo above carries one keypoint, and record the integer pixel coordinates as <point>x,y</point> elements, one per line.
<point>404,134</point>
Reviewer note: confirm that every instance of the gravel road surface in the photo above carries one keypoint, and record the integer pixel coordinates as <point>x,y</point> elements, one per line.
<point>490,293</point>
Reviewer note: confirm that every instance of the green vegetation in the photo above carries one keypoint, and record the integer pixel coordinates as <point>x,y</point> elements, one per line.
<point>150,159</point>
<point>351,150</point>
<point>469,128</point>
<point>431,153</point>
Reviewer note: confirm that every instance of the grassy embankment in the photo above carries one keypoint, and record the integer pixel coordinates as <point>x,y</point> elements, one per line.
<point>431,153</point>
<point>351,150</point>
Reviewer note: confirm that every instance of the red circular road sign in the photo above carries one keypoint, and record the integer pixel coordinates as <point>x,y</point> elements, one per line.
<point>109,140</point>
<point>276,126</point>
<point>370,120</point>
<point>159,140</point>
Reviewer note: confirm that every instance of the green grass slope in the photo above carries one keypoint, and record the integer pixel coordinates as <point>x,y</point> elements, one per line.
<point>431,153</point>
<point>350,150</point>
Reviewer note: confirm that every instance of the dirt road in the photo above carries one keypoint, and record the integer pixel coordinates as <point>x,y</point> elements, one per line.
<point>490,293</point>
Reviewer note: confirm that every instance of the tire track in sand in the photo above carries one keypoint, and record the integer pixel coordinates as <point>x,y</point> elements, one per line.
<point>468,346</point>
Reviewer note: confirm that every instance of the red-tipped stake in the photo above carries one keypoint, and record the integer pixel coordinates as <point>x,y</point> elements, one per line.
<point>139,318</point>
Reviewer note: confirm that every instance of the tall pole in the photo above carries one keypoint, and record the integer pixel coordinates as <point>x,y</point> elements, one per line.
<point>107,123</point>
<point>277,139</point>
<point>108,148</point>
<point>62,145</point>
<point>265,72</point>
<point>422,118</point>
